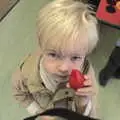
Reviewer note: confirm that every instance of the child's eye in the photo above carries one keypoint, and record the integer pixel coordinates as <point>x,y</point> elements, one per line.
<point>75,58</point>
<point>54,55</point>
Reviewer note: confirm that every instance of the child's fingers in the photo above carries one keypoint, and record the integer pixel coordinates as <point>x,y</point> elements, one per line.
<point>84,94</point>
<point>88,82</point>
<point>47,118</point>
<point>85,91</point>
<point>68,85</point>
<point>86,77</point>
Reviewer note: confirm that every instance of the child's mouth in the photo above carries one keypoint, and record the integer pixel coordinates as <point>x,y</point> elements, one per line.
<point>62,78</point>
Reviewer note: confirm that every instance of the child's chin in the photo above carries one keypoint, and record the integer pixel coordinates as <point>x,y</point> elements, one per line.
<point>61,79</point>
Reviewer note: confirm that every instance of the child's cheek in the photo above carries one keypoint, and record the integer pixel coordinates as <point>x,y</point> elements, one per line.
<point>50,66</point>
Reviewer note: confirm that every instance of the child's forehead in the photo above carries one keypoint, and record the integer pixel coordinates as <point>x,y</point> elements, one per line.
<point>64,52</point>
<point>68,50</point>
<point>68,45</point>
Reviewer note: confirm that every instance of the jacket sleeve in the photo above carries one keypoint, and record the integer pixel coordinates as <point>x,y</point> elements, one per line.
<point>94,99</point>
<point>82,103</point>
<point>22,94</point>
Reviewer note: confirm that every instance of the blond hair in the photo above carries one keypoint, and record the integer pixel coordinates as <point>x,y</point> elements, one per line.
<point>63,21</point>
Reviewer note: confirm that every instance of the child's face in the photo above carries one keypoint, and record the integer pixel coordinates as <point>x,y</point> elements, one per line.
<point>60,63</point>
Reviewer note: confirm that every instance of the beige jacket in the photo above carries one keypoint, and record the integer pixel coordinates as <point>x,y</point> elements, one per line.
<point>28,88</point>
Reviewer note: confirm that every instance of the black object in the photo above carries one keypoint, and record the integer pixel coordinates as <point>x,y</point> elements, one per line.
<point>117,74</point>
<point>112,68</point>
<point>60,112</point>
<point>94,4</point>
<point>111,2</point>
<point>110,9</point>
<point>111,6</point>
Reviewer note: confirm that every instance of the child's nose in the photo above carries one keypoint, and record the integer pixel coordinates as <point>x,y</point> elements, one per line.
<point>64,67</point>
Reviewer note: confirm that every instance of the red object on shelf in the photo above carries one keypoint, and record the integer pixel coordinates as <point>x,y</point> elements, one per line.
<point>76,79</point>
<point>104,15</point>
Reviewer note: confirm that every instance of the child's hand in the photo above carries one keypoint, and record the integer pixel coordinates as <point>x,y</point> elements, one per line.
<point>87,90</point>
<point>47,118</point>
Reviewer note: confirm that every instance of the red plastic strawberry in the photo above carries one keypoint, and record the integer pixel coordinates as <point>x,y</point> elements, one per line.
<point>76,79</point>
